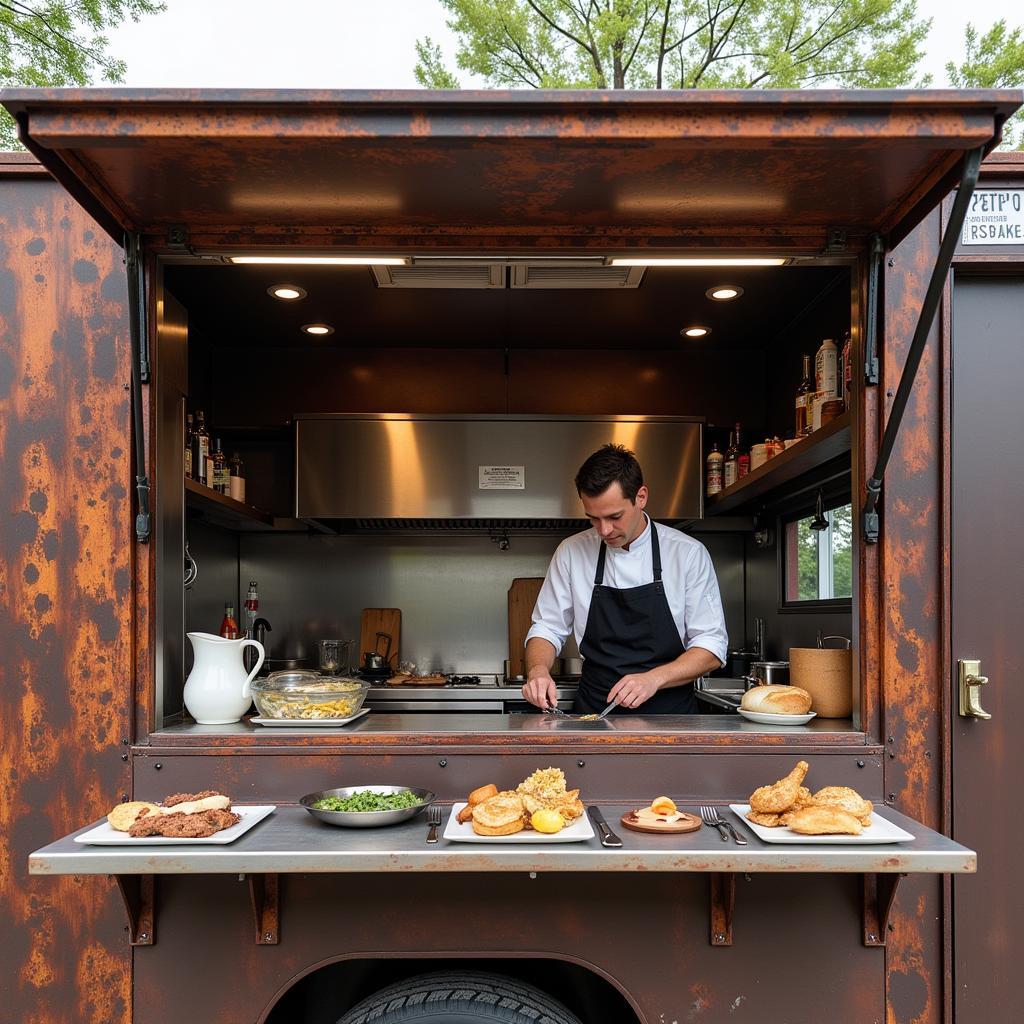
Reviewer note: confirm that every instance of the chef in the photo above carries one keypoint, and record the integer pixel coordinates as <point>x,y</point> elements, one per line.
<point>642,600</point>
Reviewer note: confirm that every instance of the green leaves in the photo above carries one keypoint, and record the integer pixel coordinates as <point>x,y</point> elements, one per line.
<point>59,43</point>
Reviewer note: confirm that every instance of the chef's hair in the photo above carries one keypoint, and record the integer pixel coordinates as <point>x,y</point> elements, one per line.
<point>611,463</point>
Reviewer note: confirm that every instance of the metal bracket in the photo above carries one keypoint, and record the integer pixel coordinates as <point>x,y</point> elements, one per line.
<point>836,240</point>
<point>871,323</point>
<point>265,910</point>
<point>138,334</point>
<point>138,892</point>
<point>879,896</point>
<point>177,238</point>
<point>932,298</point>
<point>722,902</point>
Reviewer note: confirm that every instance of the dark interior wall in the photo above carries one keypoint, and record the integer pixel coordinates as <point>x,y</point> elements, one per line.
<point>216,556</point>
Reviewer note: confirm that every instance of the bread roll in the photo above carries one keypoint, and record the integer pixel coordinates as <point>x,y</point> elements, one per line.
<point>777,700</point>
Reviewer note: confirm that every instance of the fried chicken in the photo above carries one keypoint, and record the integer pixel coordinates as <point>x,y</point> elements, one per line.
<point>767,820</point>
<point>848,799</point>
<point>781,795</point>
<point>180,798</point>
<point>199,825</point>
<point>824,820</point>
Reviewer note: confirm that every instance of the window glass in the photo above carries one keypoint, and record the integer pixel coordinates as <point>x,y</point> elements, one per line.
<point>819,563</point>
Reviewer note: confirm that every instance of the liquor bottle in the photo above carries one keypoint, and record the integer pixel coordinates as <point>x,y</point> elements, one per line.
<point>236,478</point>
<point>714,470</point>
<point>743,455</point>
<point>803,398</point>
<point>826,370</point>
<point>228,626</point>
<point>218,475</point>
<point>731,469</point>
<point>188,447</point>
<point>200,448</point>
<point>847,369</point>
<point>252,607</point>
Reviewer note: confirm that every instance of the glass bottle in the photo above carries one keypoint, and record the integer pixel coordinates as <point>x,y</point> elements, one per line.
<point>188,446</point>
<point>714,470</point>
<point>803,400</point>
<point>228,625</point>
<point>200,448</point>
<point>218,474</point>
<point>731,469</point>
<point>236,478</point>
<point>252,607</point>
<point>742,456</point>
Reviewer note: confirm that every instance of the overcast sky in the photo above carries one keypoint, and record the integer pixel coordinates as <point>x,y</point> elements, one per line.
<point>367,44</point>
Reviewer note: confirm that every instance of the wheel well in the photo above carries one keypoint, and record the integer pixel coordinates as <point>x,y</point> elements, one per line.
<point>324,994</point>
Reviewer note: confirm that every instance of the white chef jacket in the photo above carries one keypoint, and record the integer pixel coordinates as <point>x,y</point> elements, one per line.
<point>691,587</point>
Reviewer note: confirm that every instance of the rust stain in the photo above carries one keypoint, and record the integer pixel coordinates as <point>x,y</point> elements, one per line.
<point>64,624</point>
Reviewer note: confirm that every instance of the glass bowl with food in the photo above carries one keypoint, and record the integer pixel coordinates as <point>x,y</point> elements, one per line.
<point>307,696</point>
<point>367,806</point>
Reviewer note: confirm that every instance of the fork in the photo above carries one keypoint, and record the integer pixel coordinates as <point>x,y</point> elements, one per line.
<point>710,816</point>
<point>433,820</point>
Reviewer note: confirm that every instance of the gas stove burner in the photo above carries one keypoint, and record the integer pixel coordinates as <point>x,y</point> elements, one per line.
<point>463,681</point>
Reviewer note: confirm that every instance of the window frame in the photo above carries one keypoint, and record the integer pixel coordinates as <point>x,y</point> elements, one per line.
<point>832,501</point>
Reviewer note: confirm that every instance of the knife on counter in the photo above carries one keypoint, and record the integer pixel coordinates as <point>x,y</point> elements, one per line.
<point>608,837</point>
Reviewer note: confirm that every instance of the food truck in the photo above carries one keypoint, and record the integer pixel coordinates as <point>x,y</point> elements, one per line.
<point>407,318</point>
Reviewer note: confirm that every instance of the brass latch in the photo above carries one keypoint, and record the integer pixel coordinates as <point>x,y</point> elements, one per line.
<point>971,682</point>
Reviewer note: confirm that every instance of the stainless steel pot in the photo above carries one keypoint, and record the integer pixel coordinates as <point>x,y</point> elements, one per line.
<point>764,673</point>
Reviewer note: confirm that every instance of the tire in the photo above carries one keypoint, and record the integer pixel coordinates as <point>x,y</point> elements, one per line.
<point>459,997</point>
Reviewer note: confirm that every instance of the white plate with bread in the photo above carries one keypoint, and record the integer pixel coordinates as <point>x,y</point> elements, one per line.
<point>777,705</point>
<point>462,832</point>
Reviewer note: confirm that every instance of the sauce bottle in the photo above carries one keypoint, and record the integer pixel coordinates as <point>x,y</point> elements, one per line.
<point>228,625</point>
<point>714,470</point>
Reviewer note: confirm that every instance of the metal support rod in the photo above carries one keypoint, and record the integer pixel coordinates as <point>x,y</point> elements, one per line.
<point>136,329</point>
<point>871,326</point>
<point>722,903</point>
<point>968,179</point>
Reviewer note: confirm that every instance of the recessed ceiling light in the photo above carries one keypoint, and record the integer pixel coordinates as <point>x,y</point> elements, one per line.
<point>319,330</point>
<point>697,261</point>
<point>724,292</point>
<point>695,332</point>
<point>286,291</point>
<point>334,261</point>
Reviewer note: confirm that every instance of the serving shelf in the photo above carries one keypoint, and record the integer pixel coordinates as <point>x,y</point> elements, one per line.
<point>221,510</point>
<point>830,442</point>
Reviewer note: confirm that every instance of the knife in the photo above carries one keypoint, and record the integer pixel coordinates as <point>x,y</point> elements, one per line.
<point>608,837</point>
<point>604,714</point>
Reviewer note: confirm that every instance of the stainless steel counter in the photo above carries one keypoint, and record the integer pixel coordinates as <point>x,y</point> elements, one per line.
<point>291,840</point>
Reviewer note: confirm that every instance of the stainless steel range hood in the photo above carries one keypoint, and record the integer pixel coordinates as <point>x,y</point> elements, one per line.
<point>387,471</point>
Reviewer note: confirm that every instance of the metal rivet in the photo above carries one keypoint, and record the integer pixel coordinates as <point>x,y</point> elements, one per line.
<point>124,743</point>
<point>533,874</point>
<point>927,753</point>
<point>892,739</point>
<point>719,937</point>
<point>890,262</point>
<point>143,936</point>
<point>581,764</point>
<point>268,936</point>
<point>158,766</point>
<point>892,756</point>
<point>892,796</point>
<point>872,938</point>
<point>891,927</point>
<point>860,764</point>
<point>124,757</point>
<point>126,387</point>
<point>443,762</point>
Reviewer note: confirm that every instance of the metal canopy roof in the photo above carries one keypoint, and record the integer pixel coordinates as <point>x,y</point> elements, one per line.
<point>672,169</point>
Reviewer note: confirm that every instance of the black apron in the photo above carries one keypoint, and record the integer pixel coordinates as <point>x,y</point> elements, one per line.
<point>630,631</point>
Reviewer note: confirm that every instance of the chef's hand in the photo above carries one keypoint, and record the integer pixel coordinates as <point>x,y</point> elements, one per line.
<point>631,691</point>
<point>540,690</point>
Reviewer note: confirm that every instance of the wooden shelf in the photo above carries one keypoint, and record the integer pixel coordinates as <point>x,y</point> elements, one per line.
<point>221,510</point>
<point>824,445</point>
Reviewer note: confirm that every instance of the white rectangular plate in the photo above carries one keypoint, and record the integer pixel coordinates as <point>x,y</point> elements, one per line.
<point>881,830</point>
<point>105,835</point>
<point>307,723</point>
<point>462,832</point>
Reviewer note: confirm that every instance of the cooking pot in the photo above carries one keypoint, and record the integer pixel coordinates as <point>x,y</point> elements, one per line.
<point>375,663</point>
<point>764,673</point>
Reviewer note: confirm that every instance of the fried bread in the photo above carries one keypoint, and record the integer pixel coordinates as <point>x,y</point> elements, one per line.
<point>501,815</point>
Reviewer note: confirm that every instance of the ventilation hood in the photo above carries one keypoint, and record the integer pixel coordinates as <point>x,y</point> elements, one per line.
<point>563,274</point>
<point>395,471</point>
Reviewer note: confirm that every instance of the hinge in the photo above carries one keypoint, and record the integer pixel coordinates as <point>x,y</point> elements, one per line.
<point>835,240</point>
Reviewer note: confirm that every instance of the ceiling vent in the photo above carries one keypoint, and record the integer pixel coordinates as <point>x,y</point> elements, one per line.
<point>441,275</point>
<point>548,275</point>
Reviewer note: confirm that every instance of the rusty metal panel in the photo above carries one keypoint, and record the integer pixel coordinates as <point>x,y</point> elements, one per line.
<point>796,941</point>
<point>729,161</point>
<point>65,596</point>
<point>910,571</point>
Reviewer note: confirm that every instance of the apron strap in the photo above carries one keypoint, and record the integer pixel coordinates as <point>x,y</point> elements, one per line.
<point>599,575</point>
<point>655,552</point>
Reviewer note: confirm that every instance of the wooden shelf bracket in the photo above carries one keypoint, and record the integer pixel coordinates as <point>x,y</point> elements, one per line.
<point>138,894</point>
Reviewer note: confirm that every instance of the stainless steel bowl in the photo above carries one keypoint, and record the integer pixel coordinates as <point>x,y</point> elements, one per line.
<point>366,819</point>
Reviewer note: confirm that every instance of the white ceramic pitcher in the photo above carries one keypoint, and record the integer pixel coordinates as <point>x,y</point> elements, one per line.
<point>217,691</point>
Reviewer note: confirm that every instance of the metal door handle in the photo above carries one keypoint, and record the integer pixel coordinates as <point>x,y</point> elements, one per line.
<point>971,682</point>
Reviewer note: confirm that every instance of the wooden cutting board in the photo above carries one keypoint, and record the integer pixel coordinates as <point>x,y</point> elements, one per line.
<point>380,620</point>
<point>687,823</point>
<point>522,596</point>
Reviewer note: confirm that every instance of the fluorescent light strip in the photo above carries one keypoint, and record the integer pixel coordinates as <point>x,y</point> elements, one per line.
<point>336,261</point>
<point>699,261</point>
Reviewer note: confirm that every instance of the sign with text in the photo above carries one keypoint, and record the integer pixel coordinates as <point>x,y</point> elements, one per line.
<point>995,217</point>
<point>502,478</point>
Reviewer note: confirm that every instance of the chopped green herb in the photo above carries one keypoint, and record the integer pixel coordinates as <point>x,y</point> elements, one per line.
<point>369,801</point>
